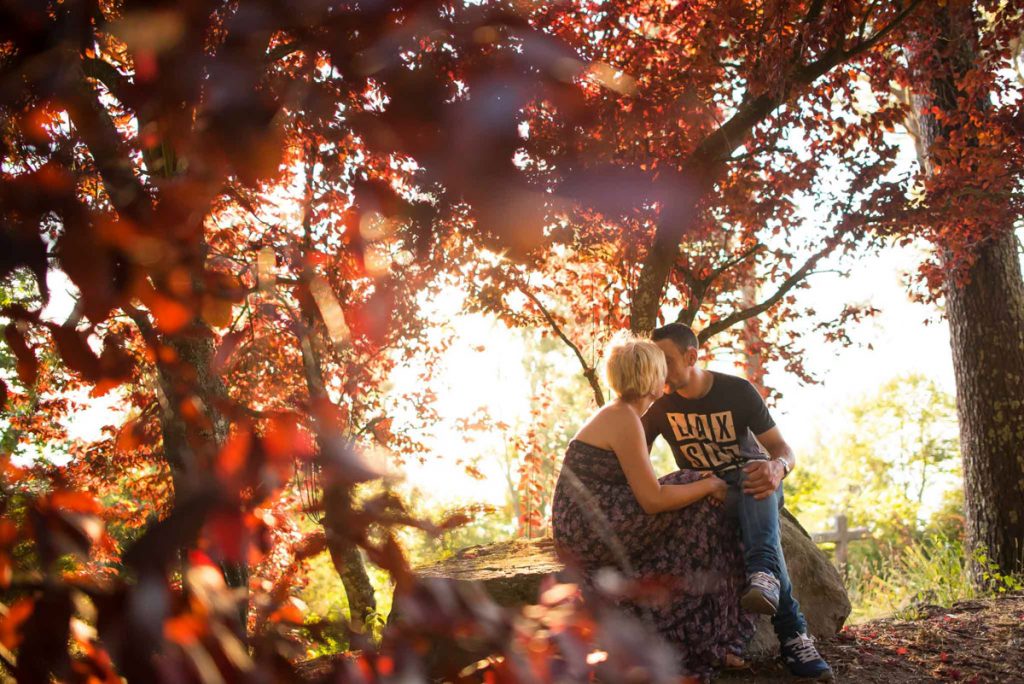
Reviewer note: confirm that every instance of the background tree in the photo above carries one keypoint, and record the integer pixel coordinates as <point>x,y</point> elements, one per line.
<point>723,148</point>
<point>897,444</point>
<point>964,110</point>
<point>128,129</point>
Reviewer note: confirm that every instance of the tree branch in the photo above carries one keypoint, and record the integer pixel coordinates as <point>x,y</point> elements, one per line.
<point>880,35</point>
<point>93,124</point>
<point>699,286</point>
<point>736,260</point>
<point>143,323</point>
<point>588,372</point>
<point>758,309</point>
<point>107,74</point>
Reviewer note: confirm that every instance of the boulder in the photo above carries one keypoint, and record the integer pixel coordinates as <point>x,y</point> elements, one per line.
<point>817,586</point>
<point>511,572</point>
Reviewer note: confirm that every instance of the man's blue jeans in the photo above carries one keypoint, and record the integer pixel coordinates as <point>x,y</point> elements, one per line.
<point>762,547</point>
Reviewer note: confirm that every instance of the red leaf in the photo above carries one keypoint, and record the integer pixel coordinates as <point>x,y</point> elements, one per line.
<point>10,632</point>
<point>184,630</point>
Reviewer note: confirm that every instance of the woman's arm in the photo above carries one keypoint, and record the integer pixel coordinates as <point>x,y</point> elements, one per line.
<point>630,446</point>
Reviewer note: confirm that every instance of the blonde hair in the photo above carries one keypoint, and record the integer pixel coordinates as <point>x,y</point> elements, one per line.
<point>634,367</point>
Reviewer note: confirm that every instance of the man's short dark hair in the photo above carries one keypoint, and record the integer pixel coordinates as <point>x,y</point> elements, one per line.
<point>680,334</point>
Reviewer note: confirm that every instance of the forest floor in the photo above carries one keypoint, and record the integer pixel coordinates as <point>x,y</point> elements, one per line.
<point>971,641</point>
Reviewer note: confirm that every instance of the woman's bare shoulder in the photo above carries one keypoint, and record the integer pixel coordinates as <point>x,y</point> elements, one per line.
<point>609,425</point>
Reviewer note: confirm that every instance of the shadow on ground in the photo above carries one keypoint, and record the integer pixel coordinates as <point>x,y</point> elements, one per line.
<point>972,641</point>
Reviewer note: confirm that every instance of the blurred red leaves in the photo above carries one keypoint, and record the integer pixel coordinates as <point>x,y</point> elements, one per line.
<point>11,619</point>
<point>371,150</point>
<point>185,630</point>
<point>287,439</point>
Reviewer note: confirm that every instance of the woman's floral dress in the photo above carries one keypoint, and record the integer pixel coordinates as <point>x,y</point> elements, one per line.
<point>692,554</point>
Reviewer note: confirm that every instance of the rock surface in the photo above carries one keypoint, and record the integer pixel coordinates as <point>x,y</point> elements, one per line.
<point>511,573</point>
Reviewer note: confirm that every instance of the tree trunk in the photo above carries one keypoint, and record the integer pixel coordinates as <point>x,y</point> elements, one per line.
<point>346,557</point>
<point>986,323</point>
<point>191,457</point>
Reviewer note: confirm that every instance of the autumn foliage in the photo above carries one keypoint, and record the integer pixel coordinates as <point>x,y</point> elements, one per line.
<point>251,200</point>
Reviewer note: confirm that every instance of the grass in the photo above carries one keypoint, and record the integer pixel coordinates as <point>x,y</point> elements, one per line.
<point>932,571</point>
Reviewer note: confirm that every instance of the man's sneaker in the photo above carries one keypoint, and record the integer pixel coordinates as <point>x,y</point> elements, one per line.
<point>802,659</point>
<point>761,594</point>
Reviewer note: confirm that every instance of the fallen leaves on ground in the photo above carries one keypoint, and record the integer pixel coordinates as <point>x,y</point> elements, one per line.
<point>971,641</point>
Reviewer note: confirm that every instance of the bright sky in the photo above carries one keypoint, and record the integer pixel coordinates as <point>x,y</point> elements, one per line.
<point>484,369</point>
<point>901,342</point>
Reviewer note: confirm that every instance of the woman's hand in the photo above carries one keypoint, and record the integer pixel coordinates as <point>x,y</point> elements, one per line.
<point>719,488</point>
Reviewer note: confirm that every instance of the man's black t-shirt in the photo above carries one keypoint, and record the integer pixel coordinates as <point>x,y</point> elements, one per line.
<point>713,432</point>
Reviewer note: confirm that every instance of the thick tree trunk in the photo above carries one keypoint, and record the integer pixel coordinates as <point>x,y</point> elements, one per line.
<point>986,322</point>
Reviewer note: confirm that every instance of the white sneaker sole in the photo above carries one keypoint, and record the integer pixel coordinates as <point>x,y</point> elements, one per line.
<point>755,602</point>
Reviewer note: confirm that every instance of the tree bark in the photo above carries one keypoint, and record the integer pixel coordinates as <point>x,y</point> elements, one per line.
<point>986,324</point>
<point>192,458</point>
<point>345,555</point>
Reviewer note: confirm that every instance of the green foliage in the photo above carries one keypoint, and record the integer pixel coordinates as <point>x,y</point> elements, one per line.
<point>994,581</point>
<point>326,602</point>
<point>932,571</point>
<point>897,581</point>
<point>889,469</point>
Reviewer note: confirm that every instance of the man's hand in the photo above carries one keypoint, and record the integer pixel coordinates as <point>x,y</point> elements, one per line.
<point>763,478</point>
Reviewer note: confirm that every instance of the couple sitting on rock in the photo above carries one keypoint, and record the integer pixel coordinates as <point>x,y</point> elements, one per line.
<point>685,530</point>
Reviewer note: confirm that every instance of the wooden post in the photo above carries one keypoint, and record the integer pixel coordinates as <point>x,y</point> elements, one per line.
<point>841,537</point>
<point>841,540</point>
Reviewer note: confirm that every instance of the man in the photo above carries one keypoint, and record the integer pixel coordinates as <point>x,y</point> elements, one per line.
<point>711,420</point>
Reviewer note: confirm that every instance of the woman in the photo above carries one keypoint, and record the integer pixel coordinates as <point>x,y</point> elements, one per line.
<point>610,510</point>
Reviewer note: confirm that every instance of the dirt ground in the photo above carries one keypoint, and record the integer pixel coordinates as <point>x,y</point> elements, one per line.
<point>972,641</point>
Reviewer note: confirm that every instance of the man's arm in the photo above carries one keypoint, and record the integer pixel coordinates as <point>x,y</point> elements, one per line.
<point>764,477</point>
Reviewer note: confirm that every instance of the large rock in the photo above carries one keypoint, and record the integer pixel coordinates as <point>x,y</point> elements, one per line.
<point>817,585</point>
<point>511,572</point>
